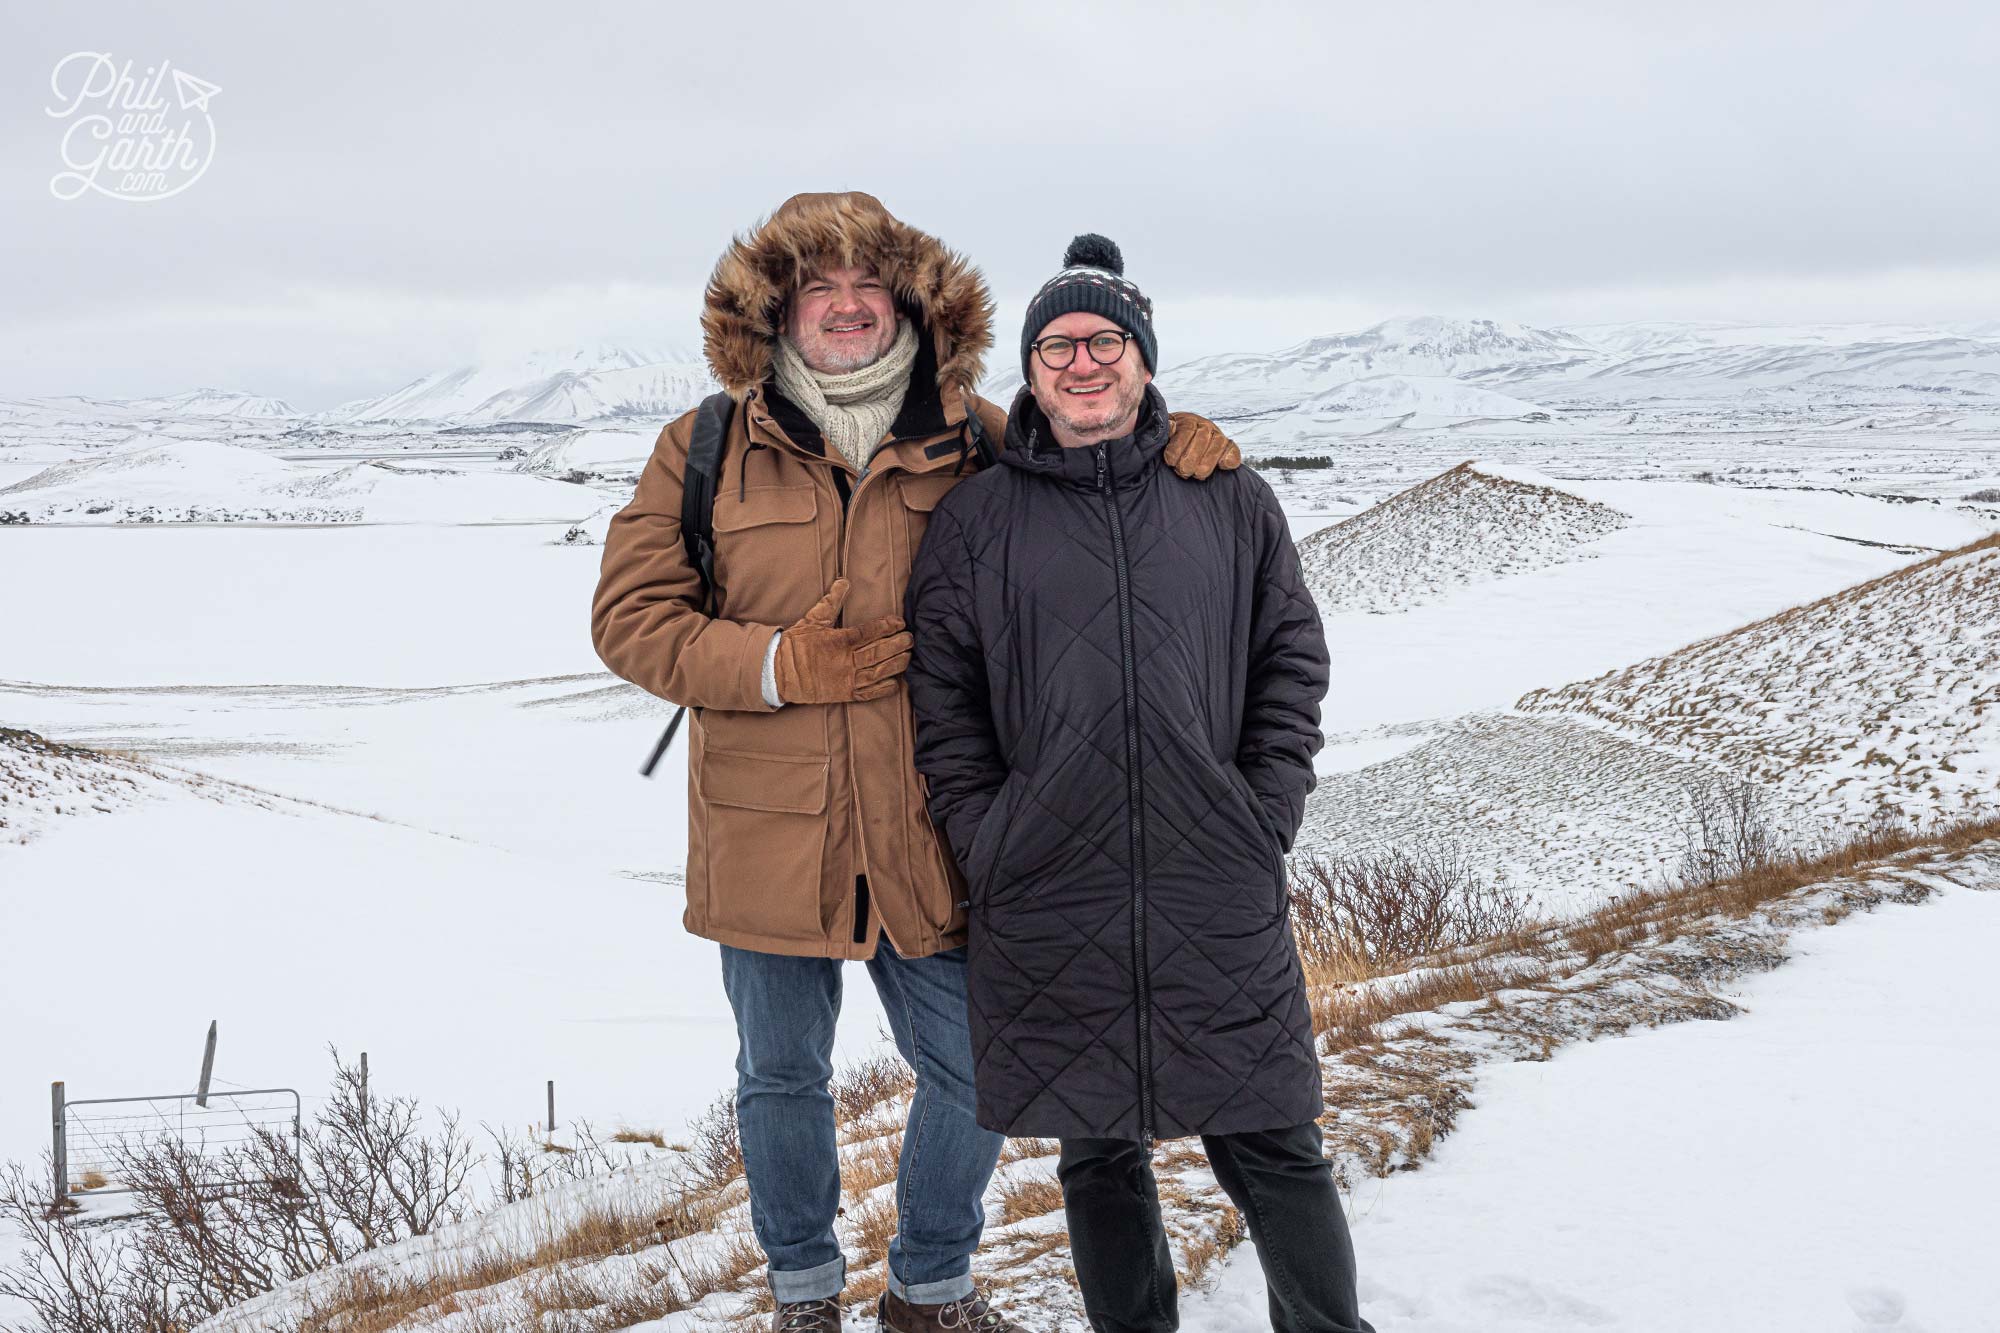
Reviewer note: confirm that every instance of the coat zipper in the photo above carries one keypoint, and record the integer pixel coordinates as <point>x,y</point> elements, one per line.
<point>1141,971</point>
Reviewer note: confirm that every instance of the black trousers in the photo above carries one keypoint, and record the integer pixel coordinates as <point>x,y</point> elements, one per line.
<point>1278,1179</point>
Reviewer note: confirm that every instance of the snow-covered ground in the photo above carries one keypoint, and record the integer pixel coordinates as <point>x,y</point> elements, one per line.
<point>1573,800</point>
<point>189,481</point>
<point>1819,1164</point>
<point>387,798</point>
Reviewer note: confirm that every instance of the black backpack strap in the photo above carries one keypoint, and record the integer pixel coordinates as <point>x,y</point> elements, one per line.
<point>976,437</point>
<point>698,483</point>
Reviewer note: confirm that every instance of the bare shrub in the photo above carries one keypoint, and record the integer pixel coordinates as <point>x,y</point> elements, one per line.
<point>715,1158</point>
<point>1991,496</point>
<point>1726,830</point>
<point>861,1087</point>
<point>67,1276</point>
<point>526,1164</point>
<point>1361,916</point>
<point>212,1229</point>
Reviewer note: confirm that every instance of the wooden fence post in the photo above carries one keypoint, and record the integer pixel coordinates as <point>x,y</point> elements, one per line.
<point>60,1142</point>
<point>207,1066</point>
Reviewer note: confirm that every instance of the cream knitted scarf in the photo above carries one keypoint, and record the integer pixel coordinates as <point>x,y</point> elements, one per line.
<point>855,410</point>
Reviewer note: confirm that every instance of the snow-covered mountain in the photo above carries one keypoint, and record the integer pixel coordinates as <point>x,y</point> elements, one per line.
<point>1415,362</point>
<point>215,403</point>
<point>1420,371</point>
<point>1722,360</point>
<point>205,403</point>
<point>1489,351</point>
<point>596,381</point>
<point>1469,525</point>
<point>1424,395</point>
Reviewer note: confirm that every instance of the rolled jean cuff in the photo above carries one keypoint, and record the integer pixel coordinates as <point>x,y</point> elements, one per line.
<point>810,1284</point>
<point>931,1293</point>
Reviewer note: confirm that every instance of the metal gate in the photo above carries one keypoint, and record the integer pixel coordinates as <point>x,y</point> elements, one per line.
<point>90,1135</point>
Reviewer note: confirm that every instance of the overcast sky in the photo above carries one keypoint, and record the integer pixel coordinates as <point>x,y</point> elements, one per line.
<point>395,189</point>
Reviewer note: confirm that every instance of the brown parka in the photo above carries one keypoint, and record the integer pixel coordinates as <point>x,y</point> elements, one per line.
<point>807,828</point>
<point>808,831</point>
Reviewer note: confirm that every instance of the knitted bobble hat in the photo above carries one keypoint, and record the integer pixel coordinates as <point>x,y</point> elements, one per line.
<point>1092,279</point>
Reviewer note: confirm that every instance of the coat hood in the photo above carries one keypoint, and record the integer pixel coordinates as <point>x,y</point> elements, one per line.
<point>743,310</point>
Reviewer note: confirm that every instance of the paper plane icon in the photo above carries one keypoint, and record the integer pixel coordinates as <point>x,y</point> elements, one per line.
<point>194,93</point>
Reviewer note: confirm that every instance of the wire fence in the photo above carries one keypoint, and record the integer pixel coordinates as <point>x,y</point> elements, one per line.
<point>93,1136</point>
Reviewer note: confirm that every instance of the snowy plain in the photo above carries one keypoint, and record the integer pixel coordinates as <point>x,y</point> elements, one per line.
<point>442,853</point>
<point>1819,1164</point>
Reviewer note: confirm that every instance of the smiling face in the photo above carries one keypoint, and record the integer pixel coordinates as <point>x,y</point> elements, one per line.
<point>841,319</point>
<point>1087,402</point>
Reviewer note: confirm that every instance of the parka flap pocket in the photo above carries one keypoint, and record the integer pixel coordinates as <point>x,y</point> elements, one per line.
<point>759,505</point>
<point>784,783</point>
<point>924,492</point>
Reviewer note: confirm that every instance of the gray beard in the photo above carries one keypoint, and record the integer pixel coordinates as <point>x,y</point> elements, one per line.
<point>846,364</point>
<point>1123,423</point>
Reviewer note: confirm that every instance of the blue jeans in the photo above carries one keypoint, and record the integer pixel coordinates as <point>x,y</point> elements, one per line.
<point>785,1012</point>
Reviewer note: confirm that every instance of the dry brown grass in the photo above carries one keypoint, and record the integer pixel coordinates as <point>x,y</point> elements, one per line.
<point>366,1301</point>
<point>648,1136</point>
<point>1026,1150</point>
<point>861,1088</point>
<point>1398,1076</point>
<point>1529,954</point>
<point>1018,1250</point>
<point>1199,1256</point>
<point>1025,1196</point>
<point>871,1224</point>
<point>1347,1017</point>
<point>1666,913</point>
<point>869,1164</point>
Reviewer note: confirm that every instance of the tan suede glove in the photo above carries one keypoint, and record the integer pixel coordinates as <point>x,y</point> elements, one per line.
<point>821,664</point>
<point>1198,447</point>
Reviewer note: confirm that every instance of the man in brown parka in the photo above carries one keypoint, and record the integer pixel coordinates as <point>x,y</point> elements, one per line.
<point>850,343</point>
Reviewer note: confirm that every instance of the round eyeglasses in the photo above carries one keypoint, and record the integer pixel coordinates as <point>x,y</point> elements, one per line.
<point>1105,348</point>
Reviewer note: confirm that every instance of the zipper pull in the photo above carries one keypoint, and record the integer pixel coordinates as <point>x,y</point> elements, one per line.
<point>1101,485</point>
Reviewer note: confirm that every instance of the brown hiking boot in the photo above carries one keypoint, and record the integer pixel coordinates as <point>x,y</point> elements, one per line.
<point>816,1316</point>
<point>968,1314</point>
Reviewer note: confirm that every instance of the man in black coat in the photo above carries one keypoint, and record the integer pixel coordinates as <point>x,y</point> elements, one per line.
<point>1116,678</point>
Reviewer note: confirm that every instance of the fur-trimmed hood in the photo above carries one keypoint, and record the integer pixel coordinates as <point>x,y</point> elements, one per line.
<point>743,310</point>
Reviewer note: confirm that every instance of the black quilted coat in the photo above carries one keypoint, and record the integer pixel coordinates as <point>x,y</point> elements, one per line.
<point>1116,681</point>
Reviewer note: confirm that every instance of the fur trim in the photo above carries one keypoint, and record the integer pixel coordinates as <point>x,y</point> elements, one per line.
<point>744,306</point>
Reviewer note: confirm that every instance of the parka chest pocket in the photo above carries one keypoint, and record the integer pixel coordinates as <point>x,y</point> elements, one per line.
<point>767,545</point>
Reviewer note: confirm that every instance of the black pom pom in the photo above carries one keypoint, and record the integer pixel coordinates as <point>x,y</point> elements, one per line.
<point>1093,251</point>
